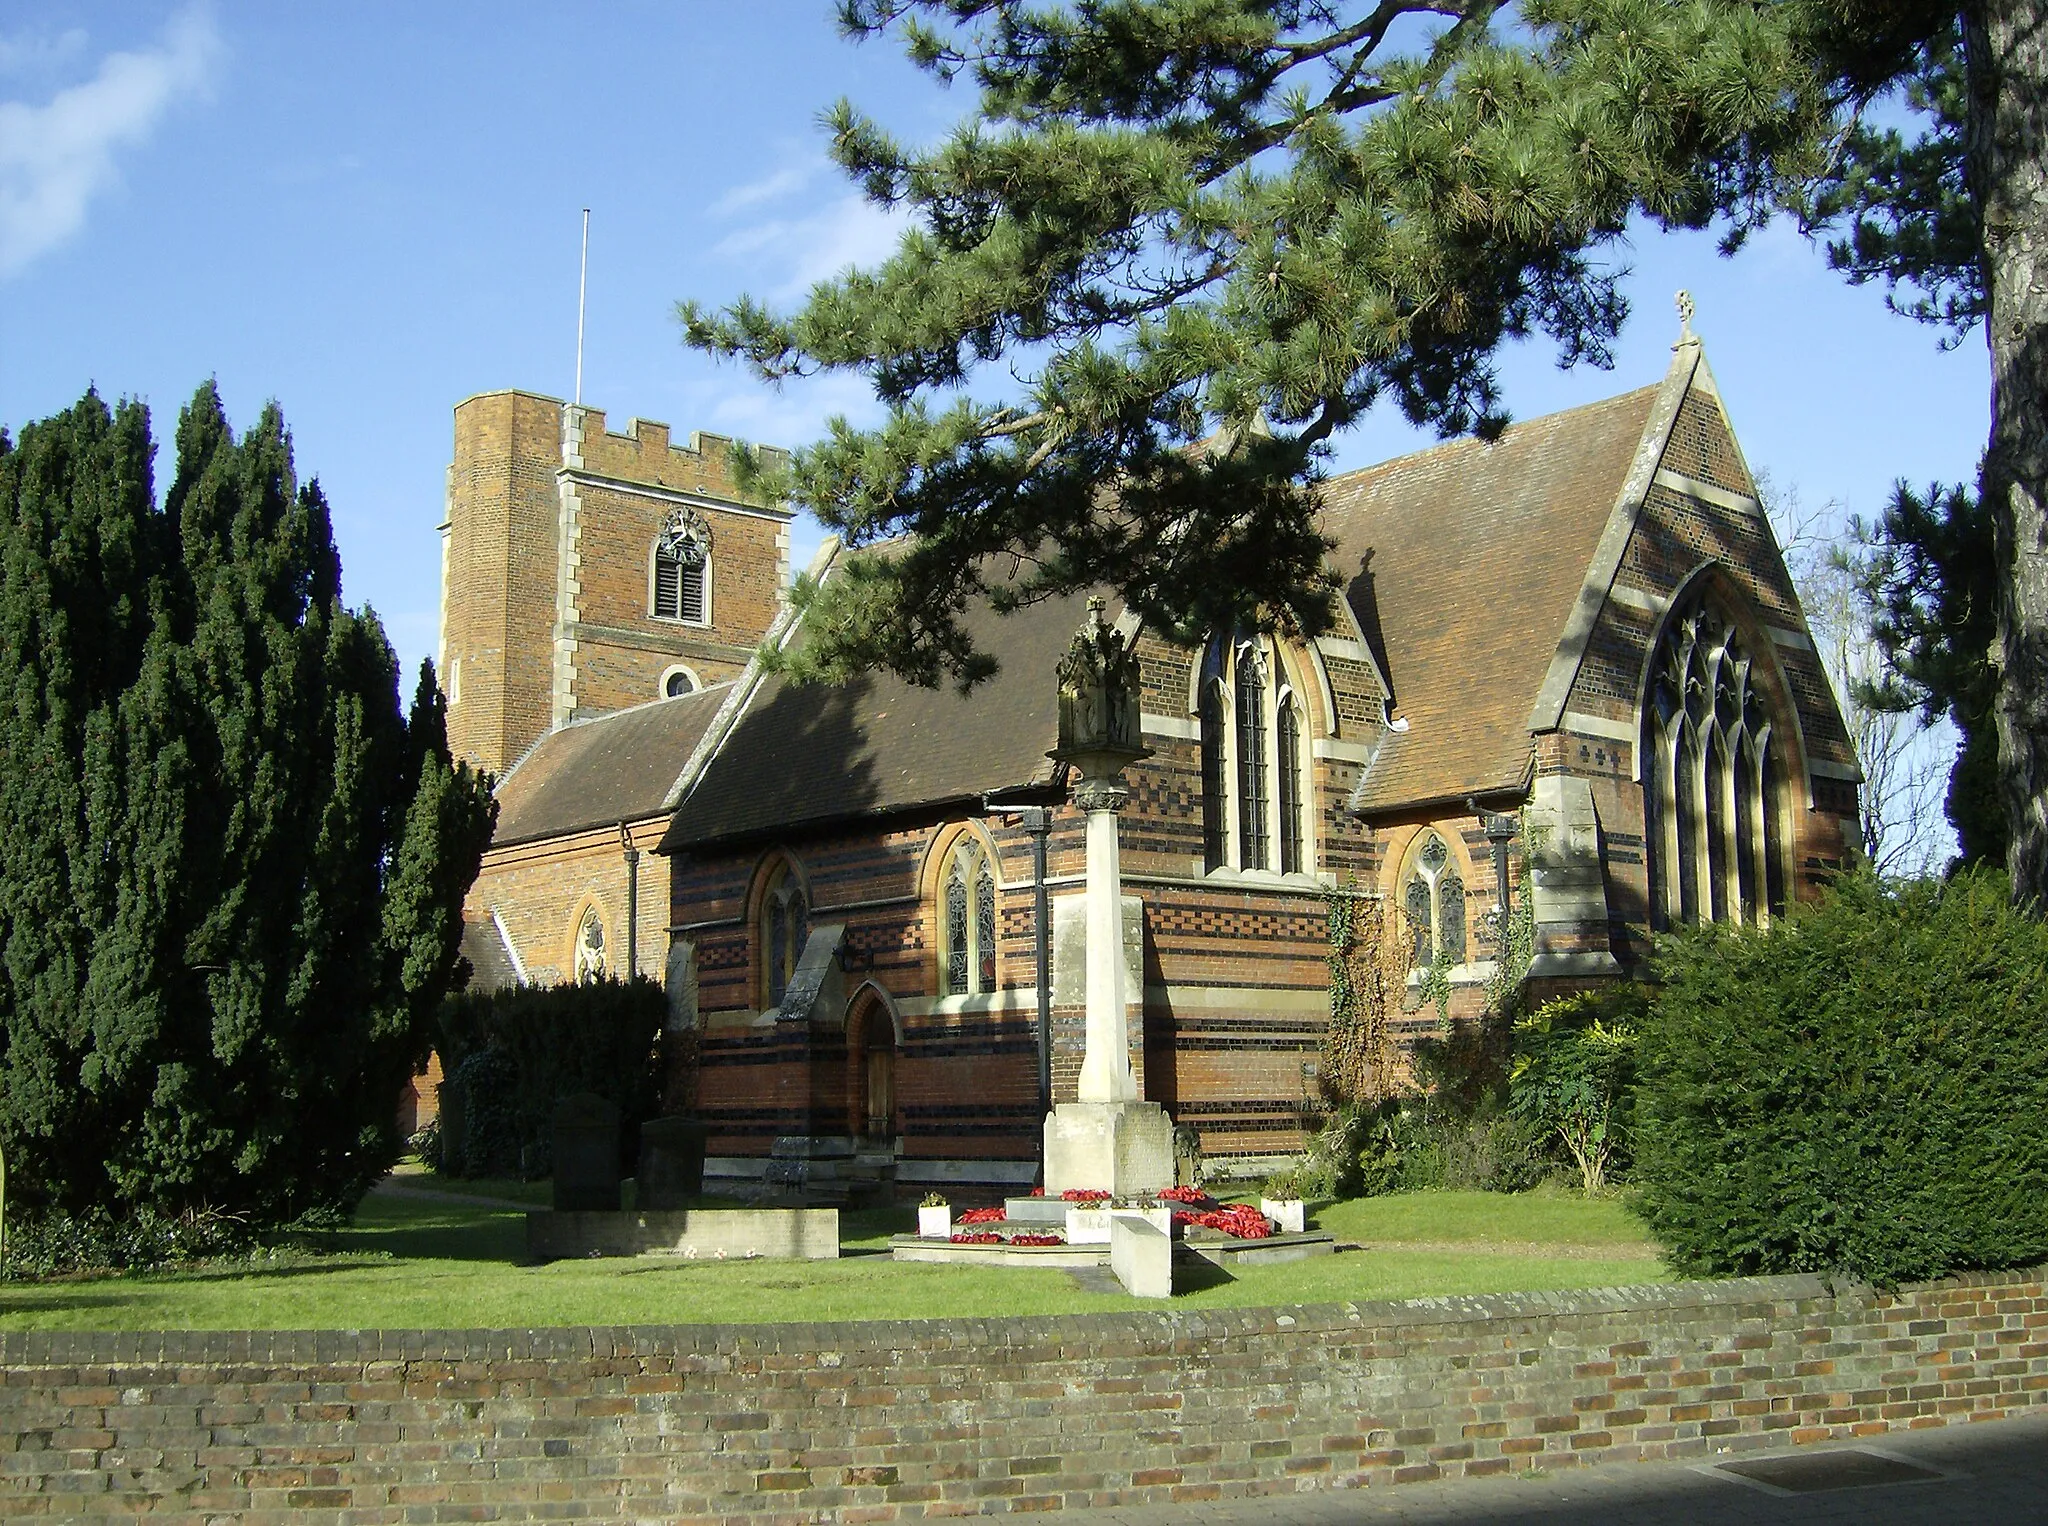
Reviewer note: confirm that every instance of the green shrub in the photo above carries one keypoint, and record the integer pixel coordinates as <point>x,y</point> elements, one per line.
<point>55,1243</point>
<point>1573,1077</point>
<point>511,1056</point>
<point>1861,1089</point>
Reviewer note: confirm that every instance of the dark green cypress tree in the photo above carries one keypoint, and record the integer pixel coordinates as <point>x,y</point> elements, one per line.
<point>267,872</point>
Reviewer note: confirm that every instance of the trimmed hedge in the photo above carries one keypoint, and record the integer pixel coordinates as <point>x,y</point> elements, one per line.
<point>510,1056</point>
<point>1862,1089</point>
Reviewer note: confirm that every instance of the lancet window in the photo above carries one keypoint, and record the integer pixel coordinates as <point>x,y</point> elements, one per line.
<point>590,956</point>
<point>968,892</point>
<point>1254,764</point>
<point>1433,902</point>
<point>682,568</point>
<point>1713,781</point>
<point>783,928</point>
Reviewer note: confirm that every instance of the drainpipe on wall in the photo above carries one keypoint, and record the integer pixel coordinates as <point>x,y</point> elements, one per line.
<point>632,901</point>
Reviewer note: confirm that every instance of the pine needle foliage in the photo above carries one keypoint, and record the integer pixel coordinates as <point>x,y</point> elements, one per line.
<point>1177,246</point>
<point>231,869</point>
<point>1862,1089</point>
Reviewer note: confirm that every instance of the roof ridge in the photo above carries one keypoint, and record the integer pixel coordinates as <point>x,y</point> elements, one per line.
<point>1463,441</point>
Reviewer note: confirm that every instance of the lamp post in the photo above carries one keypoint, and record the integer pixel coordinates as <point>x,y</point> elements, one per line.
<point>1500,828</point>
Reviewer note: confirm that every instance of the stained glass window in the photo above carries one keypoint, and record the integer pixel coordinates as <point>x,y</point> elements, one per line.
<point>1435,905</point>
<point>1709,778</point>
<point>956,928</point>
<point>1253,843</point>
<point>590,949</point>
<point>783,930</point>
<point>1290,788</point>
<point>1450,919</point>
<point>985,926</point>
<point>1422,935</point>
<point>1251,725</point>
<point>1215,819</point>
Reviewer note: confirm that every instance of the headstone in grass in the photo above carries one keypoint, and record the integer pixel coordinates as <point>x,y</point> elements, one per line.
<point>586,1155</point>
<point>671,1162</point>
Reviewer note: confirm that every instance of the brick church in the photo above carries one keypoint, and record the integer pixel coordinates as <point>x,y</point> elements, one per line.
<point>1584,630</point>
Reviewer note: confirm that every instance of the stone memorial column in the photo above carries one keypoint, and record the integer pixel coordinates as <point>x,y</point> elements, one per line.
<point>1109,1138</point>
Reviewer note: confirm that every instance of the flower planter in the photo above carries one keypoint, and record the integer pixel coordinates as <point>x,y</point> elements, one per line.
<point>1286,1212</point>
<point>935,1223</point>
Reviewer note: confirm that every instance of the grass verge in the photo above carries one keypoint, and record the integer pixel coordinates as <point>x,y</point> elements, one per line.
<point>415,1263</point>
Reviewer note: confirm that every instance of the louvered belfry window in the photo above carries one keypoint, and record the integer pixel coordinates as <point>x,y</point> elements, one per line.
<point>1712,782</point>
<point>682,565</point>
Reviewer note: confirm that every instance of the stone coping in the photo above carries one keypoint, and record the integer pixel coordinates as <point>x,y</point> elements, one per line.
<point>58,1348</point>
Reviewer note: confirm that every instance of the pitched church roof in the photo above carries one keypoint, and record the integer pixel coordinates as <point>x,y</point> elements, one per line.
<point>618,767</point>
<point>1463,564</point>
<point>805,755</point>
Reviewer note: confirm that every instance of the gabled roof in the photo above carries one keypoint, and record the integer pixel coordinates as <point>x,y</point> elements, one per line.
<point>1464,565</point>
<point>490,965</point>
<point>618,767</point>
<point>804,755</point>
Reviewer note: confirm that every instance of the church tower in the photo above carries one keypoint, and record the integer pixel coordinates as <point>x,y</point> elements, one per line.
<point>583,571</point>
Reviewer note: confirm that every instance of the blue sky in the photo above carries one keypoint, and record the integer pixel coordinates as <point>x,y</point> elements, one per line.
<point>372,211</point>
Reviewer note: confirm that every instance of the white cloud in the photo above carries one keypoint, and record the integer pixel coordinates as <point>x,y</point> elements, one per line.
<point>784,182</point>
<point>793,413</point>
<point>55,158</point>
<point>850,231</point>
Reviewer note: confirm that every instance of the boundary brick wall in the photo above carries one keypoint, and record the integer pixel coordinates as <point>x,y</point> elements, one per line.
<point>885,1421</point>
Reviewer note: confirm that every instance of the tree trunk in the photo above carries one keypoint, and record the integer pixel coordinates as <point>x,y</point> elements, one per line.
<point>2006,46</point>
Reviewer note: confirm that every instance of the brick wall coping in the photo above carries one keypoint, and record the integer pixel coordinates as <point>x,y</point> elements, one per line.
<point>21,1349</point>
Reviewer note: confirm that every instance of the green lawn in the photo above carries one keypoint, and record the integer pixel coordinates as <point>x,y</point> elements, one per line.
<point>412,1263</point>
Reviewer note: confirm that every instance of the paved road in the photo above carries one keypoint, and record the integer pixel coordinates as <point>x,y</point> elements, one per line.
<point>1991,1474</point>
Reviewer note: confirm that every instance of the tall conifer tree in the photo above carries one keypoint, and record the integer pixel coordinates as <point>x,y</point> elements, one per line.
<point>231,871</point>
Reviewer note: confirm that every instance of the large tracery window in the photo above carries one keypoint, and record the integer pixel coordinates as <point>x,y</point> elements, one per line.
<point>1433,899</point>
<point>1712,783</point>
<point>1254,764</point>
<point>968,892</point>
<point>784,928</point>
<point>682,568</point>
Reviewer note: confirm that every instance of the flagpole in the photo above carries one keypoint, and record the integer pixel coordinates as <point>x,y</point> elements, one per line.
<point>582,287</point>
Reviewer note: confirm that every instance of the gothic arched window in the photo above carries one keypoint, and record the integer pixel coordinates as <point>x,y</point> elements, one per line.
<point>782,929</point>
<point>968,926</point>
<point>1433,899</point>
<point>1254,764</point>
<point>682,568</point>
<point>590,962</point>
<point>1711,778</point>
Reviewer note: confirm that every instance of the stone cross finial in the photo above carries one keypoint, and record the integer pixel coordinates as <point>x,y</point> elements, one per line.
<point>1685,311</point>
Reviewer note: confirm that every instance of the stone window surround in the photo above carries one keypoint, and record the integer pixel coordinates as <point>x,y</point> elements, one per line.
<point>1283,687</point>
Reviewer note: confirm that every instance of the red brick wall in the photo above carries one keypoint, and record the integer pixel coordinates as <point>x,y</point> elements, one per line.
<point>882,1421</point>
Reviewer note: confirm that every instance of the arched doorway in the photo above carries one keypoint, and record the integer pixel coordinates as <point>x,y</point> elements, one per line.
<point>871,1071</point>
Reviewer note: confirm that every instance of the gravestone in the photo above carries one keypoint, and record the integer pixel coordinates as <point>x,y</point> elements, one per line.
<point>671,1162</point>
<point>586,1154</point>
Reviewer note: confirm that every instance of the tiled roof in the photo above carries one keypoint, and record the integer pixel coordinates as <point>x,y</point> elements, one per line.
<point>805,755</point>
<point>491,968</point>
<point>1463,564</point>
<point>617,767</point>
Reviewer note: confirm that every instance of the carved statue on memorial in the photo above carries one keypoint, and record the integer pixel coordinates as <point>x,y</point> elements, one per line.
<point>1098,678</point>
